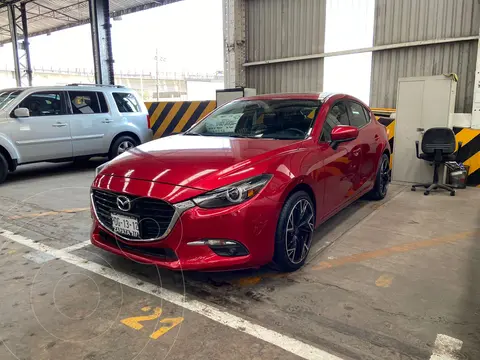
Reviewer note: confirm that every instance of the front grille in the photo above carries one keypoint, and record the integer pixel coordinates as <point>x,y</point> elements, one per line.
<point>154,216</point>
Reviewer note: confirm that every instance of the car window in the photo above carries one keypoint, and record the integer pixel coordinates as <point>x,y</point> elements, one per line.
<point>266,118</point>
<point>44,103</point>
<point>357,115</point>
<point>126,102</point>
<point>336,116</point>
<point>85,102</point>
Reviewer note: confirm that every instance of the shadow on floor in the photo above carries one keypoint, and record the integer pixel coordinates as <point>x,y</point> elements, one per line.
<point>45,169</point>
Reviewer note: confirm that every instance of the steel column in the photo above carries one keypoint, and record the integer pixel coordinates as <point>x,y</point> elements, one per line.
<point>101,41</point>
<point>234,32</point>
<point>17,18</point>
<point>475,123</point>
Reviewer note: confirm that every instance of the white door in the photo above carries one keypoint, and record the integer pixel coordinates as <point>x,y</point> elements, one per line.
<point>90,122</point>
<point>422,103</point>
<point>45,134</point>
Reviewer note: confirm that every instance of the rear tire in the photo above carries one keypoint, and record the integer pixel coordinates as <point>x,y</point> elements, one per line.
<point>293,238</point>
<point>121,145</point>
<point>3,168</point>
<point>382,180</point>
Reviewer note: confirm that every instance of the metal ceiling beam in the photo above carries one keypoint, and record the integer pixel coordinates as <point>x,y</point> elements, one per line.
<point>128,10</point>
<point>5,3</point>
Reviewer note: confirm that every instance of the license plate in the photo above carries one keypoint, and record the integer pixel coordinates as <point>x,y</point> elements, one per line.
<point>125,225</point>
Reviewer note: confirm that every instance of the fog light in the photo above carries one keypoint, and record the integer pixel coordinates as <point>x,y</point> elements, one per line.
<point>219,242</point>
<point>223,247</point>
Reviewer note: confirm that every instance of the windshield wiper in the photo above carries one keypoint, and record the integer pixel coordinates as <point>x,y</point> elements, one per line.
<point>238,136</point>
<point>192,134</point>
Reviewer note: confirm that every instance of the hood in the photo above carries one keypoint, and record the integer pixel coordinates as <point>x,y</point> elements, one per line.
<point>199,162</point>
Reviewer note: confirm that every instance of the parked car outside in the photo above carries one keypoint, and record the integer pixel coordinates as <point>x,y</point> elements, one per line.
<point>61,123</point>
<point>246,186</point>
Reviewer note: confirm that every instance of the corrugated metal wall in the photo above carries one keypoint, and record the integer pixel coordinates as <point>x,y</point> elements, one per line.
<point>401,21</point>
<point>285,28</point>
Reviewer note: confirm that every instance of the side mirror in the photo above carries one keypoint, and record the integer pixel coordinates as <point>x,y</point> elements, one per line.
<point>343,133</point>
<point>21,112</point>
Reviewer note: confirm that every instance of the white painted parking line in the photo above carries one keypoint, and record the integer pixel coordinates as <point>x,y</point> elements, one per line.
<point>284,342</point>
<point>77,246</point>
<point>446,348</point>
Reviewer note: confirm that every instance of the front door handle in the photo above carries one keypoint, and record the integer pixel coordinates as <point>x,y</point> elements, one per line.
<point>59,124</point>
<point>107,121</point>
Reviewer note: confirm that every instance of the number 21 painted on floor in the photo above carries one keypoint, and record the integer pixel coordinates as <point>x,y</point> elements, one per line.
<point>169,323</point>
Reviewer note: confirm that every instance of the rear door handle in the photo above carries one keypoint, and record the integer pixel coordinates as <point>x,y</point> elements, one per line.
<point>59,124</point>
<point>107,121</point>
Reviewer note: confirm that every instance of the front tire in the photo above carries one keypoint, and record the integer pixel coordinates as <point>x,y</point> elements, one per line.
<point>121,145</point>
<point>3,168</point>
<point>294,234</point>
<point>382,180</point>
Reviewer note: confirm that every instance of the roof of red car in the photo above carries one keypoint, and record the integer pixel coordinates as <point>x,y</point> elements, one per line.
<point>304,96</point>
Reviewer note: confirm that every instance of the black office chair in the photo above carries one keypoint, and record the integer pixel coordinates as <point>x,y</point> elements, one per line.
<point>438,147</point>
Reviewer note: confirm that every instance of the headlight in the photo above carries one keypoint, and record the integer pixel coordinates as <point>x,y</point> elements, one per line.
<point>101,167</point>
<point>233,194</point>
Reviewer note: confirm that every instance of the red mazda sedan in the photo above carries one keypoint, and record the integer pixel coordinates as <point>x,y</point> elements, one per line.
<point>244,187</point>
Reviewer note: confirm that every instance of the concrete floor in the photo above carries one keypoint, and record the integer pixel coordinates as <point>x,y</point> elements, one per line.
<point>382,281</point>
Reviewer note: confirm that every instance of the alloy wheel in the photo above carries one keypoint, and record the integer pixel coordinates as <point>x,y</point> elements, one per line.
<point>125,146</point>
<point>299,231</point>
<point>384,175</point>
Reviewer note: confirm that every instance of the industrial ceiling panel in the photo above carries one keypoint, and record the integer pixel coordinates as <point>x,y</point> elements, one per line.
<point>46,16</point>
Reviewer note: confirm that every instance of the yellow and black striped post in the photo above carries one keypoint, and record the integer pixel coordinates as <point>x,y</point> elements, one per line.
<point>176,116</point>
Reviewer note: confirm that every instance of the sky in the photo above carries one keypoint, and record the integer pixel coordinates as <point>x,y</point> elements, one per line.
<point>189,36</point>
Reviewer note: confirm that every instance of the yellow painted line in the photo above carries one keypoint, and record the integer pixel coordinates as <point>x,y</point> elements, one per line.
<point>156,113</point>
<point>68,211</point>
<point>254,280</point>
<point>188,114</point>
<point>248,281</point>
<point>384,281</point>
<point>210,107</point>
<point>356,258</point>
<point>168,119</point>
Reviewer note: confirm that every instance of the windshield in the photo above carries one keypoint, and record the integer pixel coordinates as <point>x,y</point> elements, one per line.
<point>7,96</point>
<point>274,119</point>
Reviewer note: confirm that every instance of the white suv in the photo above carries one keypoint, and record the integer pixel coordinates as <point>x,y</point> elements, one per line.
<point>61,123</point>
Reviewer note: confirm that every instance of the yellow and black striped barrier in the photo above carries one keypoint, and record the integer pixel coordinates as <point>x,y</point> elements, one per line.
<point>176,116</point>
<point>469,153</point>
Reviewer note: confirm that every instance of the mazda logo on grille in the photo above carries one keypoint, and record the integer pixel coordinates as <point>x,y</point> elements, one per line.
<point>123,203</point>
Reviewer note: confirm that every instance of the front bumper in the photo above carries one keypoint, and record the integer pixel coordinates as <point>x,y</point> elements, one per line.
<point>253,224</point>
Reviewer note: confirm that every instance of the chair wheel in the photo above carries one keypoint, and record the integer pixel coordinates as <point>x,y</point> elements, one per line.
<point>452,193</point>
<point>413,188</point>
<point>426,193</point>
